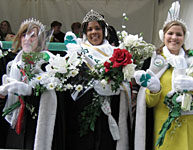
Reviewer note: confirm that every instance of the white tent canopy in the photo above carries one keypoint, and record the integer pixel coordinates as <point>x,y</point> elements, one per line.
<point>145,16</point>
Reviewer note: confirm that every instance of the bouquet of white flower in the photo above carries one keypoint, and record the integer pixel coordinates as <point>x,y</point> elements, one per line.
<point>58,72</point>
<point>140,49</point>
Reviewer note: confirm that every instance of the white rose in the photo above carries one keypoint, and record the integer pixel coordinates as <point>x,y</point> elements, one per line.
<point>128,71</point>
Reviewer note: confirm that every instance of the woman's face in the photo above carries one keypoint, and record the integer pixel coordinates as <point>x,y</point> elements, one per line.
<point>94,33</point>
<point>4,27</point>
<point>29,41</point>
<point>174,39</point>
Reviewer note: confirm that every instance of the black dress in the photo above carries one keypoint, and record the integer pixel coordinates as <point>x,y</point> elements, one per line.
<point>101,138</point>
<point>3,123</point>
<point>27,137</point>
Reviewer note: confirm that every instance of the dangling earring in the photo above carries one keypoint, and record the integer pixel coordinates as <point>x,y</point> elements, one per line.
<point>84,37</point>
<point>106,32</point>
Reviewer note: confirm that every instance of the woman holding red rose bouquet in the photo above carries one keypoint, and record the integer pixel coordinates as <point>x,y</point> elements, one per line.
<point>98,115</point>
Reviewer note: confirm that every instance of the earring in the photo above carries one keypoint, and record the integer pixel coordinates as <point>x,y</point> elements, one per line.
<point>84,37</point>
<point>106,32</point>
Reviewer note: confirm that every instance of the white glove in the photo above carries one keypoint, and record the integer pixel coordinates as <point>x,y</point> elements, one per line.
<point>5,81</point>
<point>13,86</point>
<point>183,82</point>
<point>147,79</point>
<point>71,42</point>
<point>20,88</point>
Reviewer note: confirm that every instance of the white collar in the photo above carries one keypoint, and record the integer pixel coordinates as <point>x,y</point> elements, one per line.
<point>176,61</point>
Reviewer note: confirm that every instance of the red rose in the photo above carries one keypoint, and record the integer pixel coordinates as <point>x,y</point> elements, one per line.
<point>107,66</point>
<point>121,57</point>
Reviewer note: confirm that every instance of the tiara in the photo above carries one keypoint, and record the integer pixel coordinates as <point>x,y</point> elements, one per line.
<point>92,16</point>
<point>34,21</point>
<point>176,19</point>
<point>173,14</point>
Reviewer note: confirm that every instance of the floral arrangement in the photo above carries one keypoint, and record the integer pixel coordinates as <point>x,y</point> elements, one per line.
<point>113,71</point>
<point>57,72</point>
<point>140,49</point>
<point>177,102</point>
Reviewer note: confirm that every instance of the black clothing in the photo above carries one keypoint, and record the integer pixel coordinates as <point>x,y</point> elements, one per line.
<point>27,137</point>
<point>101,138</point>
<point>25,140</point>
<point>4,125</point>
<point>59,36</point>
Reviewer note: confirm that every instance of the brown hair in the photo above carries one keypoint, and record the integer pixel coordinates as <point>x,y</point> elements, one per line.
<point>166,28</point>
<point>75,25</point>
<point>23,29</point>
<point>9,31</point>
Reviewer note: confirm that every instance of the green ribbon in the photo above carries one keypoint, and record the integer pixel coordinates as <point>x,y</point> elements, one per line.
<point>175,111</point>
<point>11,108</point>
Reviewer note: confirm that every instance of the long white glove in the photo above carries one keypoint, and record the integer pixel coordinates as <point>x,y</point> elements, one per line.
<point>183,82</point>
<point>147,79</point>
<point>13,86</point>
<point>5,81</point>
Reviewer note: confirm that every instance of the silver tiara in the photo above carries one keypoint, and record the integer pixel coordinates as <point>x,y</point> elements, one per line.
<point>173,14</point>
<point>93,16</point>
<point>34,21</point>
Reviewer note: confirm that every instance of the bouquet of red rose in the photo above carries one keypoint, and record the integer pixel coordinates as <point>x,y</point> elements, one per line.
<point>115,70</point>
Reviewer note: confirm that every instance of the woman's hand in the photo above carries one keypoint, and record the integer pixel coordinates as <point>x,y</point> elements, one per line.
<point>148,79</point>
<point>183,82</point>
<point>13,86</point>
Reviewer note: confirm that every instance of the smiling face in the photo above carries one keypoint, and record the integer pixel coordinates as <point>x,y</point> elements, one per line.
<point>174,39</point>
<point>29,41</point>
<point>94,33</point>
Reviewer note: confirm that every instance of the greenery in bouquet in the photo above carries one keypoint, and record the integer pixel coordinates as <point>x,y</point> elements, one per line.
<point>32,67</point>
<point>139,48</point>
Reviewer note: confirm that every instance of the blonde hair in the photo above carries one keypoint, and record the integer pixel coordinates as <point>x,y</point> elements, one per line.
<point>23,29</point>
<point>166,28</point>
